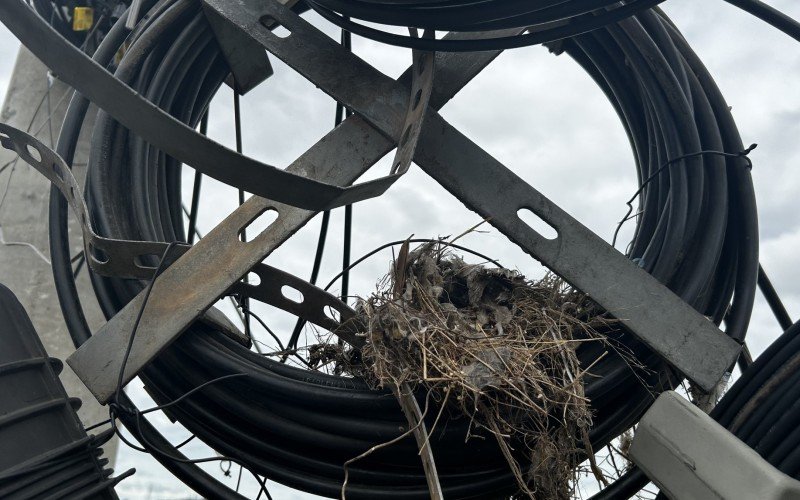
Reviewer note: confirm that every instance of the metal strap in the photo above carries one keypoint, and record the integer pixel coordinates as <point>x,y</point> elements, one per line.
<point>673,329</point>
<point>106,256</point>
<point>170,135</point>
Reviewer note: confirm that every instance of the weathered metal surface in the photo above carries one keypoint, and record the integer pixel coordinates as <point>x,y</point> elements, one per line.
<point>669,326</point>
<point>316,305</point>
<point>690,456</point>
<point>170,135</point>
<point>120,258</point>
<point>656,316</point>
<point>181,293</point>
<point>246,58</point>
<point>421,88</point>
<point>106,256</point>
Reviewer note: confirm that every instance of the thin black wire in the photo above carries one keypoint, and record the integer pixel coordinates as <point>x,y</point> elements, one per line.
<point>341,114</point>
<point>574,25</point>
<point>412,240</point>
<point>741,154</point>
<point>198,178</point>
<point>79,266</point>
<point>185,442</point>
<point>237,118</point>
<point>115,407</point>
<point>173,402</point>
<point>159,269</point>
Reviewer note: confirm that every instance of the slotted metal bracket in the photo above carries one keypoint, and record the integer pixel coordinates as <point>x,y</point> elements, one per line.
<point>170,135</point>
<point>106,256</point>
<point>655,315</point>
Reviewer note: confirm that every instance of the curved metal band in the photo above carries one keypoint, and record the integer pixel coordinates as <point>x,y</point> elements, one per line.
<point>106,256</point>
<point>170,135</point>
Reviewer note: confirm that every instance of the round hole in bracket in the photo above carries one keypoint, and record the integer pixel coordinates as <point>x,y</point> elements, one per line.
<point>258,224</point>
<point>252,279</point>
<point>34,152</point>
<point>542,227</point>
<point>274,26</point>
<point>292,294</point>
<point>147,261</point>
<point>99,255</point>
<point>332,313</point>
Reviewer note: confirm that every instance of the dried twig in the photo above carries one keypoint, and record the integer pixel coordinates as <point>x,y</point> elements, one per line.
<point>503,347</point>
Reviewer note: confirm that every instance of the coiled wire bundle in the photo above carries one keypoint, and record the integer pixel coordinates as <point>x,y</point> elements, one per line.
<point>696,233</point>
<point>544,20</point>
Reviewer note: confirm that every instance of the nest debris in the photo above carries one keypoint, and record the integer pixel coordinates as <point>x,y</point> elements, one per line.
<point>493,346</point>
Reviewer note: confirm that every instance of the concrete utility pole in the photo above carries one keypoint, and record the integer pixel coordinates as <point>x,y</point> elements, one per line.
<point>36,101</point>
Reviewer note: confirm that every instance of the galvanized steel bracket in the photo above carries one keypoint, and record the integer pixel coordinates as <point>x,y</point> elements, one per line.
<point>133,111</point>
<point>106,256</point>
<point>655,315</point>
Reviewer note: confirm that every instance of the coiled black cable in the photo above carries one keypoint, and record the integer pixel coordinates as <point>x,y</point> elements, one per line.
<point>696,233</point>
<point>546,20</point>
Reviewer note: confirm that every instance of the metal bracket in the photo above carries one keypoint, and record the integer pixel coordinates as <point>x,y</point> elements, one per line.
<point>421,88</point>
<point>246,58</point>
<point>673,329</point>
<point>106,256</point>
<point>316,305</point>
<point>181,293</point>
<point>170,135</point>
<point>690,456</point>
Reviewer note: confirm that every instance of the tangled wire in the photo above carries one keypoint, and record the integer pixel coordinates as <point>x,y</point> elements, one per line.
<point>493,346</point>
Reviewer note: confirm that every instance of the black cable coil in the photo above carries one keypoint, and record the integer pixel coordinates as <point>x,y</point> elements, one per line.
<point>542,20</point>
<point>697,233</point>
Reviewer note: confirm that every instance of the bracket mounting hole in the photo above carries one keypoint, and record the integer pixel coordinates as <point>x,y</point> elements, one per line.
<point>252,279</point>
<point>538,224</point>
<point>258,225</point>
<point>292,294</point>
<point>34,152</point>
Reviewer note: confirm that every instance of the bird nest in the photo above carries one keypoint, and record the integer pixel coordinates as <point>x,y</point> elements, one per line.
<point>492,345</point>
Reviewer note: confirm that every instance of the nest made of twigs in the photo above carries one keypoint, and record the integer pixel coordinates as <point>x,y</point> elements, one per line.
<point>493,345</point>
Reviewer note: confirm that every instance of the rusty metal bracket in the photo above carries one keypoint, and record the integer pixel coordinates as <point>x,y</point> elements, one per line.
<point>659,318</point>
<point>105,256</point>
<point>683,337</point>
<point>181,293</point>
<point>315,306</point>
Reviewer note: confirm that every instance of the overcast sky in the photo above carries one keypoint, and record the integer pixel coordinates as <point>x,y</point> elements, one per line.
<point>543,117</point>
